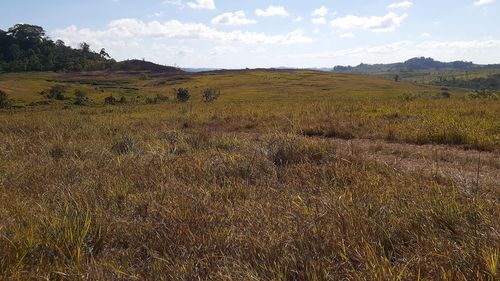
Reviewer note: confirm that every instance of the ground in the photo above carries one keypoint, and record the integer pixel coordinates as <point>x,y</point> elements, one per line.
<point>289,175</point>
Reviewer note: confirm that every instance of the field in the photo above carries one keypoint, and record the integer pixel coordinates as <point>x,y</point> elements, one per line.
<point>289,175</point>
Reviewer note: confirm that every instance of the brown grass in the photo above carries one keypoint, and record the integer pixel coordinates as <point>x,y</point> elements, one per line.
<point>244,191</point>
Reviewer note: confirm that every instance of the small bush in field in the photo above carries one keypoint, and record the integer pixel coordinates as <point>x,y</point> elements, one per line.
<point>81,97</point>
<point>4,100</point>
<point>443,95</point>
<point>159,98</point>
<point>55,93</point>
<point>110,100</point>
<point>123,100</point>
<point>182,95</point>
<point>210,95</point>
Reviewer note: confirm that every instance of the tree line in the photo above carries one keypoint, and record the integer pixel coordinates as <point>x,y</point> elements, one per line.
<point>26,47</point>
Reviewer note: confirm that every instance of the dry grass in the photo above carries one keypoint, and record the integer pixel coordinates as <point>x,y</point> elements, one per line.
<point>239,190</point>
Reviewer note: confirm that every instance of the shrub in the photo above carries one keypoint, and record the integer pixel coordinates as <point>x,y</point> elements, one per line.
<point>210,95</point>
<point>110,100</point>
<point>4,100</point>
<point>123,100</point>
<point>56,92</point>
<point>159,98</point>
<point>443,95</point>
<point>81,97</point>
<point>182,94</point>
<point>411,96</point>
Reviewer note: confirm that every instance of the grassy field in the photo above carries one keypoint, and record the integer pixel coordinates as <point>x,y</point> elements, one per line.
<point>289,175</point>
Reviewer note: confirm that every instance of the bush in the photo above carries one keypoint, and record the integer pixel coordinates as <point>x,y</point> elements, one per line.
<point>123,100</point>
<point>443,95</point>
<point>182,94</point>
<point>110,100</point>
<point>81,97</point>
<point>55,93</point>
<point>4,100</point>
<point>210,95</point>
<point>159,98</point>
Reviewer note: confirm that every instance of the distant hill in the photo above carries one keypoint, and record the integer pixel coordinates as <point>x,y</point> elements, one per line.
<point>142,65</point>
<point>411,65</point>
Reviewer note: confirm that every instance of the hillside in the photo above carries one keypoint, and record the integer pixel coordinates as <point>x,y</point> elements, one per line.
<point>411,65</point>
<point>26,47</point>
<point>141,65</point>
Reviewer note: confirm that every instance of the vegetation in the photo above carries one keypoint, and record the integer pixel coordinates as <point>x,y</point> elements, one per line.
<point>210,95</point>
<point>182,94</point>
<point>414,64</point>
<point>56,92</point>
<point>25,47</point>
<point>492,82</point>
<point>4,100</point>
<point>81,97</point>
<point>158,98</point>
<point>484,94</point>
<point>111,100</point>
<point>290,175</point>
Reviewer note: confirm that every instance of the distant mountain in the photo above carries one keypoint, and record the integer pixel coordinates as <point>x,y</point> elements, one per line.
<point>411,65</point>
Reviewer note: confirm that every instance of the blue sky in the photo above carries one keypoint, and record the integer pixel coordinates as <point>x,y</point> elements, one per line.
<point>258,33</point>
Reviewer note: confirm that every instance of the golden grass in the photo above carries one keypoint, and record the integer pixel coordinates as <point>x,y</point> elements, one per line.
<point>244,188</point>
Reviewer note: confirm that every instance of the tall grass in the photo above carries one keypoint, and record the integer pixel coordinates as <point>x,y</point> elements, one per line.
<point>246,188</point>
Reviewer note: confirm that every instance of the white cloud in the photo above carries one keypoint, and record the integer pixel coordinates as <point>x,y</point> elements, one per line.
<point>156,15</point>
<point>401,5</point>
<point>479,51</point>
<point>483,2</point>
<point>316,31</point>
<point>236,18</point>
<point>173,2</point>
<point>347,35</point>
<point>425,34</point>
<point>202,4</point>
<point>320,12</point>
<point>133,29</point>
<point>221,50</point>
<point>298,19</point>
<point>172,52</point>
<point>386,23</point>
<point>272,11</point>
<point>319,21</point>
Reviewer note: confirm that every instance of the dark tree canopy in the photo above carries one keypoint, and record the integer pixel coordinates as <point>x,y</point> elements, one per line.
<point>26,47</point>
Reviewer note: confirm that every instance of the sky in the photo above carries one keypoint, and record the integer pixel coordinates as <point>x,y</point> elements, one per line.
<point>276,33</point>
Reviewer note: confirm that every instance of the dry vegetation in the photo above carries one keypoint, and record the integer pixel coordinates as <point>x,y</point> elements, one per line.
<point>287,176</point>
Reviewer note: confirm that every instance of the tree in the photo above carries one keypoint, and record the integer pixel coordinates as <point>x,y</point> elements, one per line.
<point>104,54</point>
<point>396,78</point>
<point>84,47</point>
<point>182,94</point>
<point>25,47</point>
<point>27,34</point>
